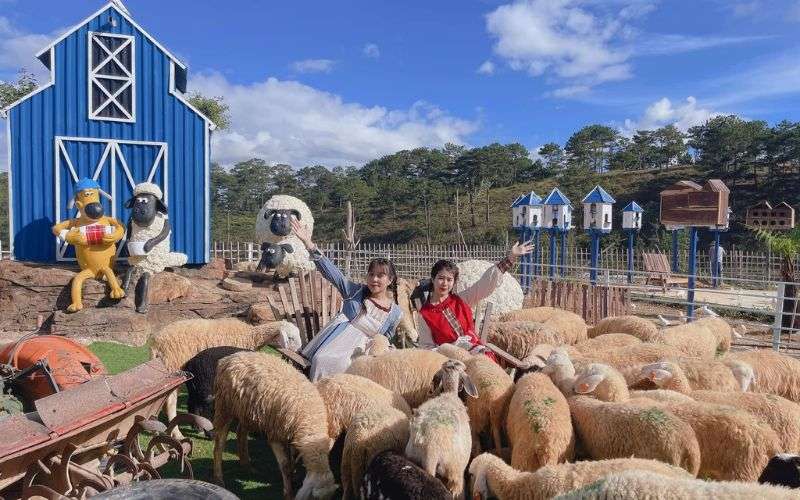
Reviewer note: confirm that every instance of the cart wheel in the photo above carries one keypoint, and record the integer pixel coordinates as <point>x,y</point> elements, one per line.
<point>174,449</point>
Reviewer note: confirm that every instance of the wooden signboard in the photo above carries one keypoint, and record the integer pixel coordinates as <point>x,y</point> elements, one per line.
<point>687,203</point>
<point>763,215</point>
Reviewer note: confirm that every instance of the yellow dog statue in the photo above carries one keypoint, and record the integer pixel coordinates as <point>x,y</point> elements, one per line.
<point>94,236</point>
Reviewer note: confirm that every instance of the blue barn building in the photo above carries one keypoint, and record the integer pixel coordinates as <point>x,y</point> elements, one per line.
<point>113,110</point>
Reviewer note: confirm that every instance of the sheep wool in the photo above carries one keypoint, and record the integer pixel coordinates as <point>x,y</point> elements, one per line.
<point>408,372</point>
<point>643,329</point>
<point>391,475</point>
<point>538,424</point>
<point>267,395</point>
<point>606,341</point>
<point>633,485</point>
<point>346,395</point>
<point>506,297</point>
<point>692,339</point>
<point>519,338</point>
<point>495,478</point>
<point>568,324</point>
<point>775,373</point>
<point>281,202</point>
<point>372,431</point>
<point>159,256</point>
<point>720,329</point>
<point>488,411</point>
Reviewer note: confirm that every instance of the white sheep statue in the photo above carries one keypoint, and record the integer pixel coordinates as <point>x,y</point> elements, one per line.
<point>273,226</point>
<point>506,297</point>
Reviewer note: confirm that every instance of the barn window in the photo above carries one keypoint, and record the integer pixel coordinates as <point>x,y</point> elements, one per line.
<point>112,77</point>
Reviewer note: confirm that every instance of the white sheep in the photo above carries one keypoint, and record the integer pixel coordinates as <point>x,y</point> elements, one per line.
<point>692,339</point>
<point>494,478</point>
<point>561,371</point>
<point>606,341</point>
<point>538,424</point>
<point>407,372</point>
<point>571,326</point>
<point>506,297</point>
<point>643,329</point>
<point>775,373</point>
<point>178,342</point>
<point>272,226</point>
<point>607,384</point>
<point>782,415</point>
<point>633,485</point>
<point>267,395</point>
<point>159,257</point>
<point>439,434</point>
<point>520,338</point>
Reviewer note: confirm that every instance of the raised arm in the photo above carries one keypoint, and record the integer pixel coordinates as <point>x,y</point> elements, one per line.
<point>491,279</point>
<point>327,268</point>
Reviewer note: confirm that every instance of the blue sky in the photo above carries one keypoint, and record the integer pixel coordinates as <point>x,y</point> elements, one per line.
<point>344,82</point>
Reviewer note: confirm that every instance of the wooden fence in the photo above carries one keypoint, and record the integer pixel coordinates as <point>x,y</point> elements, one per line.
<point>592,303</point>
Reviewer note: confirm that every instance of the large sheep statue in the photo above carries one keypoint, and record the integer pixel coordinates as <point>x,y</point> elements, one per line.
<point>507,297</point>
<point>272,226</point>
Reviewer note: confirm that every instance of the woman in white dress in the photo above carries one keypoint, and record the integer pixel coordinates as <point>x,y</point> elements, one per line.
<point>368,309</point>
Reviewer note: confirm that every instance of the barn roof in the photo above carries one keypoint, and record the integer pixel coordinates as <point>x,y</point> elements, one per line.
<point>598,195</point>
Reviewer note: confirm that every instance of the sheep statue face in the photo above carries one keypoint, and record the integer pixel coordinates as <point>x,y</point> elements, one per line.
<point>144,208</point>
<point>272,255</point>
<point>279,220</point>
<point>273,221</point>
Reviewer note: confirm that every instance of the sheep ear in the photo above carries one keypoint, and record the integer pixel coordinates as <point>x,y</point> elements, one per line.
<point>436,383</point>
<point>468,386</point>
<point>129,203</point>
<point>287,248</point>
<point>161,207</point>
<point>585,385</point>
<point>296,213</point>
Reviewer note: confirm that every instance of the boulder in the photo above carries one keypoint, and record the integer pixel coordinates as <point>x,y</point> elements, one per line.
<point>166,287</point>
<point>260,313</point>
<point>236,284</point>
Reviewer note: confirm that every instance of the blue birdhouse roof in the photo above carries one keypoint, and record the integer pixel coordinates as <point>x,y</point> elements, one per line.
<point>556,197</point>
<point>531,199</point>
<point>632,207</point>
<point>598,195</point>
<point>518,201</point>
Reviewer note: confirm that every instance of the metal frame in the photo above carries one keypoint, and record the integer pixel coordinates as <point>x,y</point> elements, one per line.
<point>93,77</point>
<point>113,149</point>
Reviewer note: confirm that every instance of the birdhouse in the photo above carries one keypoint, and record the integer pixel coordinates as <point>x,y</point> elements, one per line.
<point>689,204</point>
<point>557,211</point>
<point>597,210</point>
<point>762,215</point>
<point>632,216</point>
<point>516,213</point>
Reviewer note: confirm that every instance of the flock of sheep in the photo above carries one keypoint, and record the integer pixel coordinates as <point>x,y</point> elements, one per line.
<point>619,410</point>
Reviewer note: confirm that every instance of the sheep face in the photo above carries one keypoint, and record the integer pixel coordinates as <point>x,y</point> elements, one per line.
<point>744,375</point>
<point>587,383</point>
<point>480,486</point>
<point>272,255</point>
<point>557,359</point>
<point>452,377</point>
<point>659,373</point>
<point>144,208</point>
<point>278,220</point>
<point>317,486</point>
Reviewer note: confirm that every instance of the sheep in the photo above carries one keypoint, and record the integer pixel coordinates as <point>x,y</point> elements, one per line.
<point>742,372</point>
<point>633,485</point>
<point>606,341</point>
<point>632,355</point>
<point>782,470</point>
<point>406,326</point>
<point>697,374</point>
<point>273,226</point>
<point>720,329</point>
<point>406,371</point>
<point>495,387</point>
<point>607,384</point>
<point>494,478</point>
<point>267,395</point>
<point>780,414</point>
<point>775,373</point>
<point>568,324</point>
<point>561,371</point>
<point>538,424</point>
<point>692,339</point>
<point>176,343</point>
<point>439,435</point>
<point>200,388</point>
<point>273,255</point>
<point>377,428</point>
<point>519,338</point>
<point>734,444</point>
<point>379,344</point>
<point>643,329</point>
<point>619,430</point>
<point>507,296</point>
<point>391,475</point>
<point>345,395</point>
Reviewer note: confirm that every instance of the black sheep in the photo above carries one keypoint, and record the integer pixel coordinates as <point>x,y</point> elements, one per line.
<point>272,255</point>
<point>391,476</point>
<point>782,470</point>
<point>200,388</point>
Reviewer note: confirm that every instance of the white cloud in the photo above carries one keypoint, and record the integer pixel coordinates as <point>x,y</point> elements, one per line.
<point>776,76</point>
<point>578,44</point>
<point>487,68</point>
<point>18,49</point>
<point>372,51</point>
<point>313,66</point>
<point>663,112</point>
<point>288,122</point>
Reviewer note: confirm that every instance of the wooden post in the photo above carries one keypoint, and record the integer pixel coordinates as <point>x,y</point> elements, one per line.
<point>350,237</point>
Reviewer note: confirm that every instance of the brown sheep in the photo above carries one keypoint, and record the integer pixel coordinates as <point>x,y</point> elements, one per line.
<point>643,329</point>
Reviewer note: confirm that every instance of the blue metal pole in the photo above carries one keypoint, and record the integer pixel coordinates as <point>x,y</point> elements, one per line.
<point>692,273</point>
<point>631,236</point>
<point>563,253</point>
<point>553,235</point>
<point>595,239</point>
<point>675,250</point>
<point>715,263</point>
<point>537,251</point>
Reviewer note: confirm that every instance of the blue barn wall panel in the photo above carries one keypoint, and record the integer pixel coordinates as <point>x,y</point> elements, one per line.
<point>61,110</point>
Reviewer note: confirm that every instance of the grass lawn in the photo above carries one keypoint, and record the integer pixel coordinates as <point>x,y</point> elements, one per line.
<point>264,481</point>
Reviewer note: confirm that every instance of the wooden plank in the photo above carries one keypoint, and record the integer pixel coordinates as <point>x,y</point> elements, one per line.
<point>306,307</point>
<point>276,309</point>
<point>487,319</point>
<point>298,311</point>
<point>286,307</point>
<point>315,306</point>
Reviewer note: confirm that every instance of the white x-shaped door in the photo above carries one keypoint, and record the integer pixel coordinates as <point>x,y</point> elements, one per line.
<point>116,165</point>
<point>112,79</point>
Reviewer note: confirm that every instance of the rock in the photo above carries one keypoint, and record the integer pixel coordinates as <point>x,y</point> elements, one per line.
<point>260,313</point>
<point>104,323</point>
<point>252,276</point>
<point>166,287</point>
<point>214,270</point>
<point>245,266</point>
<point>236,285</point>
